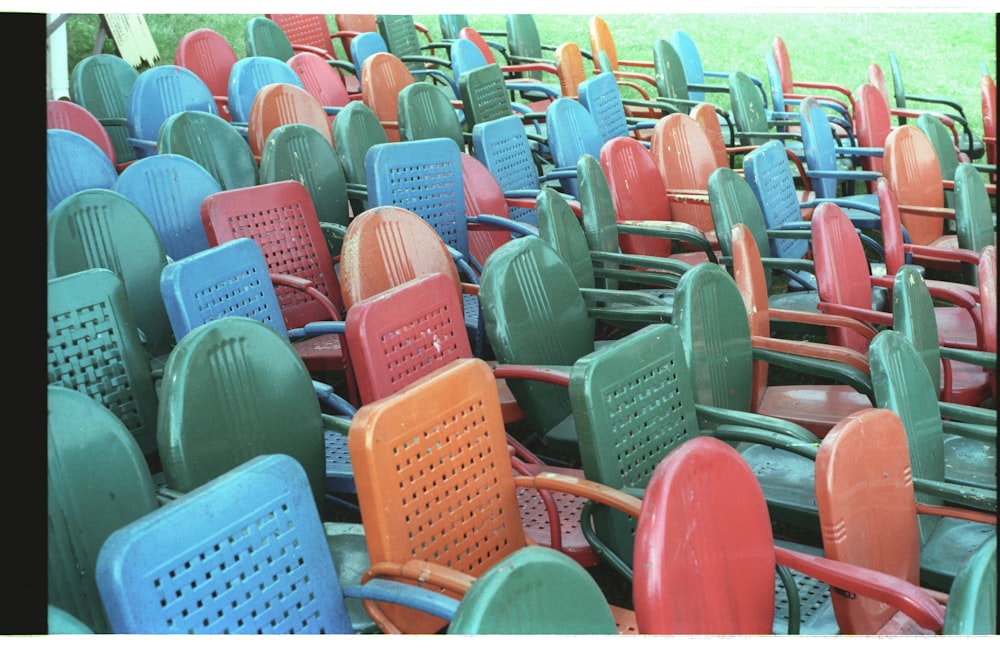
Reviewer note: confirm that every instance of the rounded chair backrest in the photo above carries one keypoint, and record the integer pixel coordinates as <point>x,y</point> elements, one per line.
<point>628,167</point>
<point>572,132</point>
<point>207,53</point>
<point>75,163</point>
<point>213,143</point>
<point>249,76</point>
<point>278,104</point>
<point>749,273</point>
<point>669,71</point>
<point>102,84</point>
<point>691,58</point>
<point>684,158</point>
<point>169,189</point>
<point>364,46</point>
<point>601,41</point>
<point>61,114</point>
<point>357,129</point>
<point>383,77</point>
<point>600,96</point>
<point>98,481</point>
<point>988,92</point>
<point>732,202</point>
<point>749,113</point>
<point>160,92</point>
<point>973,213</point>
<point>320,79</point>
<point>913,317</point>
<point>766,170</point>
<point>466,55</point>
<point>425,111</point>
<point>263,37</point>
<point>911,166</point>
<point>707,117</point>
<point>704,530</point>
<point>309,30</point>
<point>819,146</point>
<point>872,123</point>
<point>569,63</point>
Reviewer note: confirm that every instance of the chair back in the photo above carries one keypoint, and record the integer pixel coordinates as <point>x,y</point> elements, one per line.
<point>244,554</point>
<point>872,123</point>
<point>973,215</point>
<point>601,41</point>
<point>451,24</point>
<point>749,112</point>
<point>707,117</point>
<point>523,39</point>
<point>862,462</point>
<point>484,95</point>
<point>819,147</point>
<point>704,530</point>
<point>749,274</point>
<point>249,76</point>
<point>309,30</point>
<point>629,167</point>
<point>102,84</point>
<point>213,143</point>
<point>320,80</point>
<point>602,99</point>
<point>732,201</point>
<point>288,233</point>
<point>300,152</point>
<point>502,146</point>
<point>684,158</point>
<point>262,37</point>
<point>911,166</point>
<point>98,481</point>
<point>357,128</point>
<point>569,63</point>
<point>158,93</point>
<point>972,601</point>
<point>383,77</point>
<point>62,114</point>
<point>766,170</point>
<point>278,104</point>
<point>98,228</point>
<point>669,71</point>
<point>94,347</point>
<point>210,57</point>
<point>691,59</point>
<point>169,189</point>
<point>466,517</point>
<point>74,163</point>
<point>572,133</point>
<point>365,45</point>
<point>426,112</point>
<point>483,195</point>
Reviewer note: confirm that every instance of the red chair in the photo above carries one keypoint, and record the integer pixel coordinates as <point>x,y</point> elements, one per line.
<point>685,160</point>
<point>60,114</point>
<point>383,77</point>
<point>789,85</point>
<point>321,81</point>
<point>705,553</point>
<point>210,57</point>
<point>988,88</point>
<point>281,219</point>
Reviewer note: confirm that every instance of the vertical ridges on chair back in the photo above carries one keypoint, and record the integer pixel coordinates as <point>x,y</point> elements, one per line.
<point>453,500</point>
<point>400,34</point>
<point>767,172</point>
<point>599,218</point>
<point>210,57</point>
<point>94,347</point>
<point>383,76</point>
<point>535,590</point>
<point>973,214</point>
<point>102,84</point>
<point>426,112</point>
<point>282,221</point>
<point>749,113</point>
<point>213,143</point>
<point>169,189</point>
<point>365,45</point>
<point>522,36</point>
<point>228,279</point>
<point>233,389</point>
<point>162,91</point>
<point>244,554</point>
<point>400,335</point>
<point>104,229</point>
<point>913,316</point>
<point>711,318</point>
<point>732,201</point>
<point>902,384</point>
<point>704,531</point>
<point>424,177</point>
<point>872,123</point>
<point>911,166</point>
<point>278,104</point>
<point>868,516</point>
<point>74,163</point>
<point>669,71</point>
<point>688,51</point>
<point>387,246</point>
<point>633,403</point>
<point>535,314</point>
<point>320,79</point>
<point>600,96</point>
<point>972,601</point>
<point>301,152</point>
<point>249,75</point>
<point>62,114</point>
<point>305,29</point>
<point>98,481</point>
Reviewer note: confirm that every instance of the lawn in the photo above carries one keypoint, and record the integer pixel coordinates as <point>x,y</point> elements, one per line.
<point>939,53</point>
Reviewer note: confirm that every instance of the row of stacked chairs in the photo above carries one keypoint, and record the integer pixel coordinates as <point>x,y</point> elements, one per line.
<point>343,337</point>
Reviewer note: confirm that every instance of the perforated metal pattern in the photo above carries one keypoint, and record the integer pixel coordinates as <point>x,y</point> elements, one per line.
<point>814,603</point>
<point>85,353</point>
<point>417,345</point>
<point>605,106</point>
<point>485,95</point>
<point>241,292</point>
<point>339,474</point>
<point>772,183</point>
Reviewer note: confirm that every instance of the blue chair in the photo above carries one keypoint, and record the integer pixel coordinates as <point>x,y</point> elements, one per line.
<point>572,132</point>
<point>74,163</point>
<point>830,165</point>
<point>158,93</point>
<point>248,76</point>
<point>364,45</point>
<point>697,77</point>
<point>245,553</point>
<point>169,189</point>
<point>602,98</point>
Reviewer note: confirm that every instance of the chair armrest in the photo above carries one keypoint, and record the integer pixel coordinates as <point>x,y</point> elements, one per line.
<point>771,431</point>
<point>910,599</point>
<point>971,497</point>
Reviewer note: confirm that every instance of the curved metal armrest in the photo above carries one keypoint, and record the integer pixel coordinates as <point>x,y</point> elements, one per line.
<point>307,287</point>
<point>505,223</point>
<point>336,423</point>
<point>967,496</point>
<point>910,599</point>
<point>388,591</point>
<point>957,512</point>
<point>839,361</point>
<point>418,571</point>
<point>668,265</point>
<point>974,357</point>
<point>784,434</point>
<point>327,395</point>
<point>820,319</point>
<point>675,230</point>
<point>863,314</point>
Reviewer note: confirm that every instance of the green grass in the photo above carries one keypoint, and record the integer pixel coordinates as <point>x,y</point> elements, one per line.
<point>939,53</point>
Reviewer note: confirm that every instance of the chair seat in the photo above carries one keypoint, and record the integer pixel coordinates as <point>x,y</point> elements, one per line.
<point>536,520</point>
<point>970,385</point>
<point>817,408</point>
<point>788,484</point>
<point>965,463</point>
<point>321,353</point>
<point>955,327</point>
<point>947,550</point>
<point>350,558</point>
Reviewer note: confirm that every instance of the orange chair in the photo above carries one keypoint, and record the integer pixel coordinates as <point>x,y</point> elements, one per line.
<point>987,273</point>
<point>601,41</point>
<point>988,88</point>
<point>278,104</point>
<point>383,77</point>
<point>401,335</point>
<point>868,508</point>
<point>705,553</point>
<point>450,512</point>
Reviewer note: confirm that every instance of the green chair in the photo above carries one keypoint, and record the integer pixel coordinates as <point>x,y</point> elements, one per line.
<point>972,603</point>
<point>755,123</point>
<point>426,112</point>
<point>357,128</point>
<point>975,220</point>
<point>264,37</point>
<point>300,152</point>
<point>98,481</point>
<point>534,590</point>
<point>101,83</point>
<point>902,384</point>
<point>94,347</point>
<point>673,87</point>
<point>402,39</point>
<point>233,389</point>
<point>97,228</point>
<point>213,143</point>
